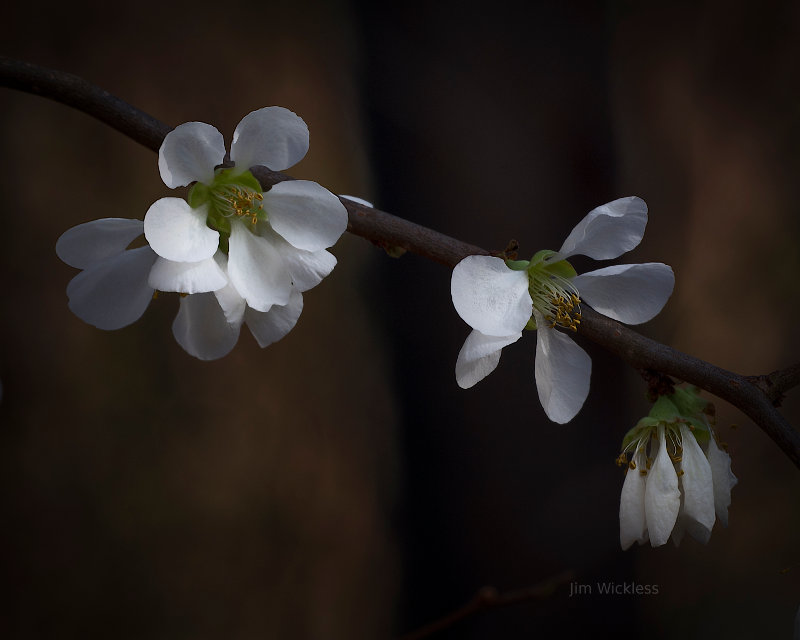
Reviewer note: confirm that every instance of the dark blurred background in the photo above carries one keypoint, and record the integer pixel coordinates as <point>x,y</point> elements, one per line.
<point>338,484</point>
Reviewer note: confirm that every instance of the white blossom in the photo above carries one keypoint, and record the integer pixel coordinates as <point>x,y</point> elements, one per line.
<point>265,235</point>
<point>499,299</point>
<point>235,253</point>
<point>672,484</point>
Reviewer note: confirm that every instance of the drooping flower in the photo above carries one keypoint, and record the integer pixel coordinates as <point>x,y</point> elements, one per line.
<point>236,253</point>
<point>672,484</point>
<point>499,299</point>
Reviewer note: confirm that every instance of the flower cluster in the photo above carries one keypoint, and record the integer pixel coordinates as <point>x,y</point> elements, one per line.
<point>500,298</point>
<point>678,479</point>
<point>236,254</point>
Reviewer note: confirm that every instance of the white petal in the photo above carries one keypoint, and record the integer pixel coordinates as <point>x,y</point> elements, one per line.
<point>662,498</point>
<point>723,479</point>
<point>113,293</point>
<point>490,297</point>
<point>686,524</point>
<point>630,293</point>
<point>696,482</point>
<point>271,137</point>
<point>90,242</point>
<point>306,268</point>
<point>479,357</point>
<point>273,325</point>
<point>609,230</point>
<point>187,277</point>
<point>189,153</point>
<point>306,214</point>
<point>179,233</point>
<point>679,529</point>
<point>358,200</point>
<point>257,270</point>
<point>201,328</point>
<point>632,521</point>
<point>232,303</point>
<point>563,371</point>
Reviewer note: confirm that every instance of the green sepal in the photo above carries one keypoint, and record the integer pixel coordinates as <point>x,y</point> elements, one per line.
<point>219,222</point>
<point>562,268</point>
<point>223,242</point>
<point>247,179</point>
<point>689,402</point>
<point>199,194</point>
<point>540,257</point>
<point>685,406</point>
<point>531,326</point>
<point>699,430</point>
<point>645,424</point>
<point>518,265</point>
<point>664,410</point>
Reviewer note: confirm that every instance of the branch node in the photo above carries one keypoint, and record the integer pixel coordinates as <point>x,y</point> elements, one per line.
<point>658,384</point>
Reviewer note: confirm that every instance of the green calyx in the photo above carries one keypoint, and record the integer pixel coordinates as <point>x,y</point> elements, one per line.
<point>229,197</point>
<point>543,263</point>
<point>685,406</point>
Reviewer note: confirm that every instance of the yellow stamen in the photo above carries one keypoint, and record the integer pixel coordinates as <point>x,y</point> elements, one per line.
<point>240,202</point>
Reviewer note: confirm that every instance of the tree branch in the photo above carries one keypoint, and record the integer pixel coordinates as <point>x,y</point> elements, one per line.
<point>756,396</point>
<point>489,598</point>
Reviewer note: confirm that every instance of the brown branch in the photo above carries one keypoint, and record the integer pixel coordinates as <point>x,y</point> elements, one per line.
<point>756,396</point>
<point>739,390</point>
<point>84,96</point>
<point>489,598</point>
<point>390,232</point>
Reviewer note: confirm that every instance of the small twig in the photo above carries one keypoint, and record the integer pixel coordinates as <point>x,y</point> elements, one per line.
<point>776,384</point>
<point>489,598</point>
<point>755,395</point>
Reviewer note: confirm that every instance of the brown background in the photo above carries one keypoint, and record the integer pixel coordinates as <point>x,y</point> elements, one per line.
<point>338,484</point>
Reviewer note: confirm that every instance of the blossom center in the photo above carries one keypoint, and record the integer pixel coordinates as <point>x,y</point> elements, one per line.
<point>551,289</point>
<point>239,201</point>
<point>229,198</point>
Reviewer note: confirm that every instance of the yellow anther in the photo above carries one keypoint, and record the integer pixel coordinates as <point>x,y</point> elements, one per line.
<point>642,472</point>
<point>680,473</point>
<point>565,314</point>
